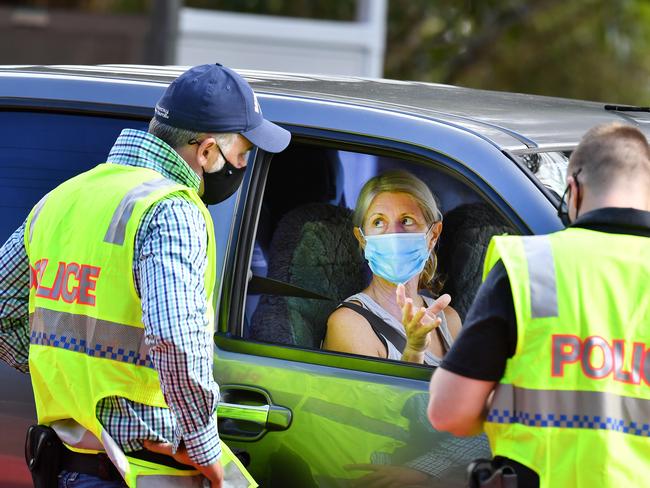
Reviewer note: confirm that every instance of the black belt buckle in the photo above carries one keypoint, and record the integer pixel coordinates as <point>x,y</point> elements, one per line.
<point>487,473</point>
<point>478,472</point>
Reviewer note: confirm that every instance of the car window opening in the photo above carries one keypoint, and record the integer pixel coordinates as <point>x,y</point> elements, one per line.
<point>305,245</point>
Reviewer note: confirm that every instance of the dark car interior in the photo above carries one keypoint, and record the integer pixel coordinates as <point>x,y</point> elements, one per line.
<point>304,238</point>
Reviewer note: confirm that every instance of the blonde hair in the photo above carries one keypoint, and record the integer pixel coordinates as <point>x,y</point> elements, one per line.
<point>400,181</point>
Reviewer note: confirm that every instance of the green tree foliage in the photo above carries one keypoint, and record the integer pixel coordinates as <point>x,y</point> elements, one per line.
<point>590,49</point>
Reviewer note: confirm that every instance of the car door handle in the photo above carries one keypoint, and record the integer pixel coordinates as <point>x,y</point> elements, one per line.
<point>272,417</point>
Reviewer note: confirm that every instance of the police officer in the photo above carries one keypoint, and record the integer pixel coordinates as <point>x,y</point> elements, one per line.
<point>116,269</point>
<point>553,362</point>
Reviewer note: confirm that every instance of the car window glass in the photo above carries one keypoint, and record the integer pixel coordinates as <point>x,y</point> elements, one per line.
<point>549,168</point>
<point>304,239</point>
<point>38,151</point>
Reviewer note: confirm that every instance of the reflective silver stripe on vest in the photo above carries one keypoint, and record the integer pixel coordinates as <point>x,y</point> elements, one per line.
<point>541,276</point>
<point>233,477</point>
<point>168,481</point>
<point>37,212</point>
<point>76,435</point>
<point>570,409</point>
<point>117,227</point>
<point>91,336</point>
<point>115,453</point>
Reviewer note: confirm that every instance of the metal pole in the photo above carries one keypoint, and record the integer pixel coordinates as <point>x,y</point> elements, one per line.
<point>160,45</point>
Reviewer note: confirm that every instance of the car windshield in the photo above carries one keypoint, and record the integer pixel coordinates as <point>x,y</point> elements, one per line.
<point>549,168</point>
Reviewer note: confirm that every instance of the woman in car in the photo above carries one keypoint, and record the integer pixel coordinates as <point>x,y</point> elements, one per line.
<point>397,223</point>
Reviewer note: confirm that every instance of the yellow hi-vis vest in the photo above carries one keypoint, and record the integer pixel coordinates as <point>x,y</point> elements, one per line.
<point>574,402</point>
<point>87,337</point>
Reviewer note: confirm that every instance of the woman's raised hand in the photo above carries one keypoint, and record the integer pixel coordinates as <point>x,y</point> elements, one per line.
<point>418,323</point>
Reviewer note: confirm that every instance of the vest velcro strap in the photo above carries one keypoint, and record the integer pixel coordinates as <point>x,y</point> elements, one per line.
<point>570,409</point>
<point>89,335</point>
<point>117,228</point>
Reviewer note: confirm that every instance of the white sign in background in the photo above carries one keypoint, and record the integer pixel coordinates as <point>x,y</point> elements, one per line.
<point>266,42</point>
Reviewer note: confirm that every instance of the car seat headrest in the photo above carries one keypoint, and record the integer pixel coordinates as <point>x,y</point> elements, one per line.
<point>321,181</point>
<point>313,247</point>
<point>466,233</point>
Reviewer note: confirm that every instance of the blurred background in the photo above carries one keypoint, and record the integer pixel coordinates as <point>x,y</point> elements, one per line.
<point>589,49</point>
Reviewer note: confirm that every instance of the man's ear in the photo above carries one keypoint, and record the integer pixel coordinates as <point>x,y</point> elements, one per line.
<point>574,197</point>
<point>208,145</point>
<point>357,233</point>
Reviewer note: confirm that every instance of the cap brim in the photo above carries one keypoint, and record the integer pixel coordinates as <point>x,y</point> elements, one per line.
<point>269,137</point>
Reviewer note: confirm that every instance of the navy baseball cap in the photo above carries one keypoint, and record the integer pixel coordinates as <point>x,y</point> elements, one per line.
<point>213,98</point>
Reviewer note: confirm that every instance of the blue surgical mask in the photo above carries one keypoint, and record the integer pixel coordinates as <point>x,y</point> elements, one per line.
<point>397,257</point>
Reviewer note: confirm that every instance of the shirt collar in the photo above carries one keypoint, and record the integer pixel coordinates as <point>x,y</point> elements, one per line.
<point>616,220</point>
<point>138,148</point>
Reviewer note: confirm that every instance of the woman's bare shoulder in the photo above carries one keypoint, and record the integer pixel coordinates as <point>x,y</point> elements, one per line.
<point>453,321</point>
<point>346,318</point>
<point>347,331</point>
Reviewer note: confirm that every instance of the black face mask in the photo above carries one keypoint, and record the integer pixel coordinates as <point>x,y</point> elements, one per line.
<point>220,185</point>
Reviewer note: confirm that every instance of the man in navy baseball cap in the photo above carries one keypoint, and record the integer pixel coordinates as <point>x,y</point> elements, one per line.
<point>213,98</point>
<point>211,117</point>
<point>145,201</point>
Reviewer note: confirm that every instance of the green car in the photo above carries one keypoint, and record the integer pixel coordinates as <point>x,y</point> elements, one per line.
<point>299,415</point>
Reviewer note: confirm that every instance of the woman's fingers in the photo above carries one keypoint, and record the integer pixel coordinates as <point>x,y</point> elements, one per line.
<point>439,305</point>
<point>420,322</point>
<point>431,323</point>
<point>407,311</point>
<point>400,293</point>
<point>415,320</point>
<point>425,324</point>
<point>418,329</point>
<point>430,320</point>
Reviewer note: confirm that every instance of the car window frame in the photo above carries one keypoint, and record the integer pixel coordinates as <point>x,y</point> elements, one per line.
<point>126,113</point>
<point>230,314</point>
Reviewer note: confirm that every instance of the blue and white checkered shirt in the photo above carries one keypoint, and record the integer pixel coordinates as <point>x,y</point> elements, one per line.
<point>169,267</point>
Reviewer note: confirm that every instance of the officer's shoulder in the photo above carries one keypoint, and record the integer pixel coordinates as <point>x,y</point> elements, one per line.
<point>179,206</point>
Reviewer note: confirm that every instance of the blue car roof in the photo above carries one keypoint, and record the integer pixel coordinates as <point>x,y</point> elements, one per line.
<point>509,120</point>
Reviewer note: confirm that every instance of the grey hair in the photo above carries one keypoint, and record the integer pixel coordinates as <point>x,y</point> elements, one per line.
<point>176,137</point>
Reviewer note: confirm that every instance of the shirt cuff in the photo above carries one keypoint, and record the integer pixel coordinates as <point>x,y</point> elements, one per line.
<point>203,446</point>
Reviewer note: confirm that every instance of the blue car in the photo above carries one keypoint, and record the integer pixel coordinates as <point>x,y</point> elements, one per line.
<point>297,414</point>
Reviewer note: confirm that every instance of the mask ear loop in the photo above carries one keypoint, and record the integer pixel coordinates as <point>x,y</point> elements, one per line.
<point>578,198</point>
<point>426,234</point>
<point>362,245</point>
<point>433,257</point>
<point>439,219</point>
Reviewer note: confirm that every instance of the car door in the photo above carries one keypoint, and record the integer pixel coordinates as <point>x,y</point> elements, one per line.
<point>320,418</point>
